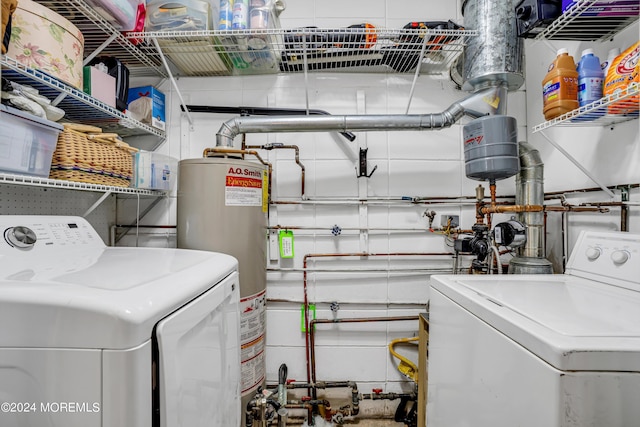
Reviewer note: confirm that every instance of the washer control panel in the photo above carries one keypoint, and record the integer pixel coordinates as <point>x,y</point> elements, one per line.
<point>610,255</point>
<point>46,233</point>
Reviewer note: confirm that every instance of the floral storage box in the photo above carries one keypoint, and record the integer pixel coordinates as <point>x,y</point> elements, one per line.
<point>43,39</point>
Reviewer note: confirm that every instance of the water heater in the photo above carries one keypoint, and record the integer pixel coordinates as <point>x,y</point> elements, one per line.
<point>222,205</point>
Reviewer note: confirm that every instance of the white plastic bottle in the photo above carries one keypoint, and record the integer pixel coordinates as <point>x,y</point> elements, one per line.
<point>613,53</point>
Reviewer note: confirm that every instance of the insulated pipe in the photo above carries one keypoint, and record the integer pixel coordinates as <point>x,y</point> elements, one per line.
<point>282,382</point>
<point>490,100</point>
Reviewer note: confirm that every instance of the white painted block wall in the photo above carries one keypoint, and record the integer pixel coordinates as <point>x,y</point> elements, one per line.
<point>426,164</point>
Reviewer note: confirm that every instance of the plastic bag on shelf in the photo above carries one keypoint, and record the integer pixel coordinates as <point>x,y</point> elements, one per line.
<point>28,99</point>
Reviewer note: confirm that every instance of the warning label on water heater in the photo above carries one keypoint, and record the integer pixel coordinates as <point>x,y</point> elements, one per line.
<point>252,340</point>
<point>245,187</point>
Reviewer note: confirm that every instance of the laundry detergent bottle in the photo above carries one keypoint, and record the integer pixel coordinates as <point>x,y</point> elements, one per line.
<point>613,53</point>
<point>590,78</point>
<point>590,81</point>
<point>560,86</point>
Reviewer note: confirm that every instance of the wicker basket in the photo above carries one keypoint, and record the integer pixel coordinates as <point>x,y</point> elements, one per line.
<point>93,157</point>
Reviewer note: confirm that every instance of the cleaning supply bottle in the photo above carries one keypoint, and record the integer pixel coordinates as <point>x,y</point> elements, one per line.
<point>225,15</point>
<point>560,86</point>
<point>590,82</point>
<point>613,54</point>
<point>240,19</point>
<point>623,72</point>
<point>590,78</point>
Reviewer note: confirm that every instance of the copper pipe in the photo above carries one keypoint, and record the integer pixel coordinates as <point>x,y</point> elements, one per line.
<point>603,204</point>
<point>479,214</point>
<point>332,255</point>
<point>512,208</point>
<point>220,150</point>
<point>569,208</point>
<point>345,320</point>
<point>224,150</point>
<point>291,147</point>
<point>588,190</point>
<point>492,191</point>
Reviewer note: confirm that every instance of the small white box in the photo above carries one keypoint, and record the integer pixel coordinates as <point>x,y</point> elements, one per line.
<point>154,171</point>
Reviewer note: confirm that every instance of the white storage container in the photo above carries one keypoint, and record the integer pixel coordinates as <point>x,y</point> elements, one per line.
<point>27,142</point>
<point>122,14</point>
<point>179,15</point>
<point>154,171</point>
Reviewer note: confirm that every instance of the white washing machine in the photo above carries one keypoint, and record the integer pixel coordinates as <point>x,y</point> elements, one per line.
<point>540,350</point>
<point>114,337</point>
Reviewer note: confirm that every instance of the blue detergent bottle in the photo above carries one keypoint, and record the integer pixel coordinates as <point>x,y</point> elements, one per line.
<point>590,80</point>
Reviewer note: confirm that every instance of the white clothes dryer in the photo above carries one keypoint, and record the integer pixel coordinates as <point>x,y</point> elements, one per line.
<point>96,336</point>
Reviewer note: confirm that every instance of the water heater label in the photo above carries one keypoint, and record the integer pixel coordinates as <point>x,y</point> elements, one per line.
<point>243,187</point>
<point>252,340</point>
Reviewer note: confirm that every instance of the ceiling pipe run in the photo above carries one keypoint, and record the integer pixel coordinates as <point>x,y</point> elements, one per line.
<point>491,100</point>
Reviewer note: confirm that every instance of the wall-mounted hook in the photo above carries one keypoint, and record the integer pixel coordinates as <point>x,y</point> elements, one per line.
<point>363,165</point>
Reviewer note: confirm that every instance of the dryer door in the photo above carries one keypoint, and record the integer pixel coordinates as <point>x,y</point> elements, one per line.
<point>198,373</point>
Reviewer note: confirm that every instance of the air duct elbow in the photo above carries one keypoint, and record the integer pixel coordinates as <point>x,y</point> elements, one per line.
<point>531,166</point>
<point>227,132</point>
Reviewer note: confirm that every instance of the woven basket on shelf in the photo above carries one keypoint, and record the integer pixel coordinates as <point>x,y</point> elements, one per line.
<point>84,154</point>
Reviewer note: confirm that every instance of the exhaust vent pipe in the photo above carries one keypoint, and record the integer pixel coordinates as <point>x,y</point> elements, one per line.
<point>530,191</point>
<point>490,100</point>
<point>495,54</point>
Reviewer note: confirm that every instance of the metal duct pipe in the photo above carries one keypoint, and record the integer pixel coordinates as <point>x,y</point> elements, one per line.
<point>491,100</point>
<point>495,55</point>
<point>530,192</point>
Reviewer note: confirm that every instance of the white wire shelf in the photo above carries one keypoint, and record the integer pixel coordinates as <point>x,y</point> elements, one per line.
<point>35,181</point>
<point>619,107</point>
<point>77,105</point>
<point>591,20</point>
<point>101,37</point>
<point>239,52</point>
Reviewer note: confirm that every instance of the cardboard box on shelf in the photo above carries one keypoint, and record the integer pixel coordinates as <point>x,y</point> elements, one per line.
<point>100,85</point>
<point>146,104</point>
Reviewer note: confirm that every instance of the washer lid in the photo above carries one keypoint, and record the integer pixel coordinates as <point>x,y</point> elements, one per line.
<point>100,297</point>
<point>572,323</point>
